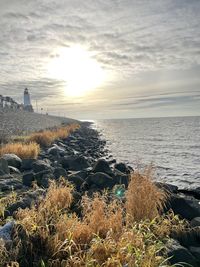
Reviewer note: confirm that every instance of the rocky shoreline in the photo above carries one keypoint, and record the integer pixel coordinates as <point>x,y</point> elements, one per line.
<point>83,160</point>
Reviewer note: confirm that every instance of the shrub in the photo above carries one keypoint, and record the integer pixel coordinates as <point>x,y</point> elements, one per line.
<point>22,150</point>
<point>143,199</point>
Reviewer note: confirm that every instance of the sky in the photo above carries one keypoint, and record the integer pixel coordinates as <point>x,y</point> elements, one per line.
<point>138,58</point>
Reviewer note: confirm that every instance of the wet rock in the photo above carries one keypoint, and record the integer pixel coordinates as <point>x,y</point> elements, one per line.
<point>122,167</point>
<point>59,172</point>
<point>41,165</point>
<point>27,164</point>
<point>13,160</point>
<point>195,222</point>
<point>28,178</point>
<point>179,254</point>
<point>102,166</point>
<point>101,180</point>
<point>76,180</point>
<point>4,167</point>
<point>75,163</point>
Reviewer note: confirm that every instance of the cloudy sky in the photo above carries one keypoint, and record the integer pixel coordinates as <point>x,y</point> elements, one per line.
<point>148,53</point>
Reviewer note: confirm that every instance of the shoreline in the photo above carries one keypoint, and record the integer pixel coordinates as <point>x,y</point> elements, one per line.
<point>84,160</point>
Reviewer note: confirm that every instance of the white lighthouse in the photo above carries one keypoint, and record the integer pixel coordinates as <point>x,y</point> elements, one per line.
<point>27,101</point>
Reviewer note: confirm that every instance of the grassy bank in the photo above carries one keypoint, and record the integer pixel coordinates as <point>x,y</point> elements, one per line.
<point>111,231</point>
<point>29,146</point>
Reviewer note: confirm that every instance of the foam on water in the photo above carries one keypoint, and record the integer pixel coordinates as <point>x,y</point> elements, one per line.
<point>171,144</point>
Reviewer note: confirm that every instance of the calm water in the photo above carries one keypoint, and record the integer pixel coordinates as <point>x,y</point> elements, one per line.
<point>171,144</point>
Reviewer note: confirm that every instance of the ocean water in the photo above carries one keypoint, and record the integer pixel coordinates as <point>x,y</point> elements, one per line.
<point>172,145</point>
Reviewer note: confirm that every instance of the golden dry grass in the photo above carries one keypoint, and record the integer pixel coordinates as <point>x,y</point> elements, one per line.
<point>46,138</point>
<point>144,199</point>
<point>22,150</point>
<point>109,233</point>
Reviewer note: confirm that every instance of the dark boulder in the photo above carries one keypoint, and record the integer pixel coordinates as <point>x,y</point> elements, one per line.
<point>4,167</point>
<point>28,178</point>
<point>100,179</point>
<point>179,254</point>
<point>121,178</point>
<point>195,222</point>
<point>74,163</point>
<point>169,188</point>
<point>55,150</point>
<point>13,160</point>
<point>122,167</point>
<point>14,170</point>
<point>27,164</point>
<point>76,180</point>
<point>41,165</point>
<point>10,183</point>
<point>187,207</point>
<point>59,172</point>
<point>102,166</point>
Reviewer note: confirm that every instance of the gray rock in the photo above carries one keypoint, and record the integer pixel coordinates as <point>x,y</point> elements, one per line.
<point>10,183</point>
<point>28,178</point>
<point>6,230</point>
<point>74,163</point>
<point>179,254</point>
<point>195,252</point>
<point>14,170</point>
<point>120,178</point>
<point>55,150</point>
<point>41,165</point>
<point>13,160</point>
<point>4,166</point>
<point>59,172</point>
<point>102,166</point>
<point>101,180</point>
<point>27,164</point>
<point>167,187</point>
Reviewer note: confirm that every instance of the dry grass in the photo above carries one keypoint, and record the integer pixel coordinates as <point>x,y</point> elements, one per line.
<point>46,138</point>
<point>109,233</point>
<point>144,199</point>
<point>22,150</point>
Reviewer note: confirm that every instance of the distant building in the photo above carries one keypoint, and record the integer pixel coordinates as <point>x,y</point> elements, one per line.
<point>27,101</point>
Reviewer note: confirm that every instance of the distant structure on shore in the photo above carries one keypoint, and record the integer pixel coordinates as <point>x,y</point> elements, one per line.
<point>7,102</point>
<point>27,101</point>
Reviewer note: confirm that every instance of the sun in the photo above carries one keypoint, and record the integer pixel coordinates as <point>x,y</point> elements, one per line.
<point>76,66</point>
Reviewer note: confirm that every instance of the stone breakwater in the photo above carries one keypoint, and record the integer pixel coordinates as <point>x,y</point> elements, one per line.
<point>16,122</point>
<point>83,160</point>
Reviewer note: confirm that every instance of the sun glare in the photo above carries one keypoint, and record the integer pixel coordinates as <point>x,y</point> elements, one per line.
<point>78,69</point>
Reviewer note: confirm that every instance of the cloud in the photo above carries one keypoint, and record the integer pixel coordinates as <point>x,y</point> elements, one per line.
<point>133,40</point>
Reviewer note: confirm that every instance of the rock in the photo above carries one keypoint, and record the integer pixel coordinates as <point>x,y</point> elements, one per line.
<point>28,179</point>
<point>179,254</point>
<point>195,252</point>
<point>188,238</point>
<point>10,183</point>
<point>13,160</point>
<point>122,167</point>
<point>27,164</point>
<point>102,166</point>
<point>187,207</point>
<point>43,178</point>
<point>101,180</point>
<point>41,165</point>
<point>14,170</point>
<point>74,163</point>
<point>4,166</point>
<point>76,180</point>
<point>59,172</point>
<point>6,230</point>
<point>120,178</point>
<point>167,187</point>
<point>195,222</point>
<point>55,150</point>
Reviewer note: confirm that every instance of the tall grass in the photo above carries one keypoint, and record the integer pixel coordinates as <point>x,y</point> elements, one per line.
<point>103,236</point>
<point>22,150</point>
<point>46,138</point>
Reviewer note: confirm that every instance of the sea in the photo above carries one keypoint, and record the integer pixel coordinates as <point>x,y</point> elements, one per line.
<point>171,145</point>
